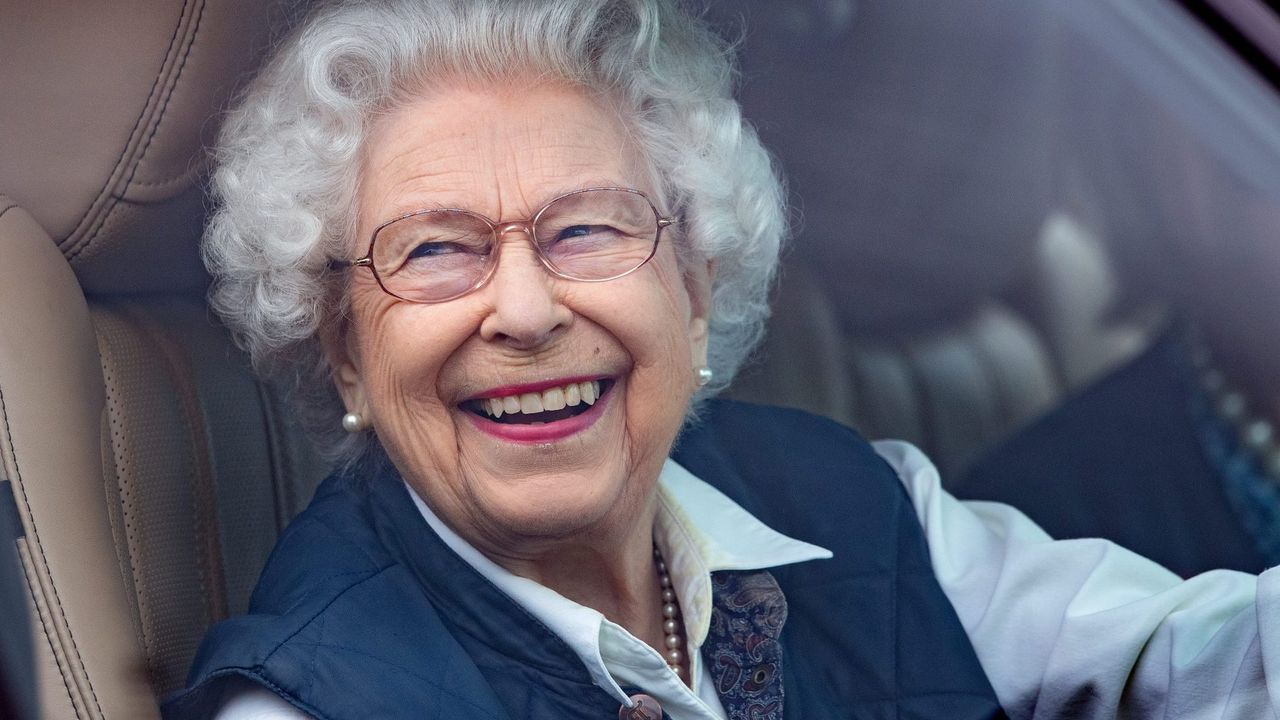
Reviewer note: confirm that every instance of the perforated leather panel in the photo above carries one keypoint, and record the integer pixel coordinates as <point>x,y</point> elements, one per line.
<point>168,538</point>
<point>191,445</point>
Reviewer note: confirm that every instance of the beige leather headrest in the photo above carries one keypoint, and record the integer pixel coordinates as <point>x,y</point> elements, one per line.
<point>105,108</point>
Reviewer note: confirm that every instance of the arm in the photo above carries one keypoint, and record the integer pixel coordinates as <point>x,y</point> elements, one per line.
<point>254,702</point>
<point>1086,629</point>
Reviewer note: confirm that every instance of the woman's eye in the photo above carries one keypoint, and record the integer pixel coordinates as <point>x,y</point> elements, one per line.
<point>435,249</point>
<point>585,231</point>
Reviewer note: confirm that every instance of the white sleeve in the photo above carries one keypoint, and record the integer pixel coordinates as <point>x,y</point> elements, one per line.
<point>255,702</point>
<point>1085,629</point>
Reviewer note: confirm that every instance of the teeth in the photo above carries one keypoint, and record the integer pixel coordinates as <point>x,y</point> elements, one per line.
<point>530,403</point>
<point>552,399</point>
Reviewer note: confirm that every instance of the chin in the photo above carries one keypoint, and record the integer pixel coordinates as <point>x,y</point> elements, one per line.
<point>555,507</point>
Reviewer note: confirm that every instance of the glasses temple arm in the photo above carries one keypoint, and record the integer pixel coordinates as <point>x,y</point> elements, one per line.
<point>344,264</point>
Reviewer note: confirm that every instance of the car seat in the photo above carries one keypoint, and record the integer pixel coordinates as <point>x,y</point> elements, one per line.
<point>149,471</point>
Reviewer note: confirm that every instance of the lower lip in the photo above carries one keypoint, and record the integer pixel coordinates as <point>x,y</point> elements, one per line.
<point>542,434</point>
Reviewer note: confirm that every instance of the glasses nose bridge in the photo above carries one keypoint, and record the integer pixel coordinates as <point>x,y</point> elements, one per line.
<point>524,226</point>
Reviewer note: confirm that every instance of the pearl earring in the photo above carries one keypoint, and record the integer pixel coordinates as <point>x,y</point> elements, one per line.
<point>352,422</point>
<point>704,375</point>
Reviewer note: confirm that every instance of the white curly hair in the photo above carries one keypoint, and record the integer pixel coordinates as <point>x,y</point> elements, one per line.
<point>288,154</point>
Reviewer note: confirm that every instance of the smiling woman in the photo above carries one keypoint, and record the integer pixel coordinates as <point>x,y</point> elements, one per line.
<point>415,371</point>
<point>508,249</point>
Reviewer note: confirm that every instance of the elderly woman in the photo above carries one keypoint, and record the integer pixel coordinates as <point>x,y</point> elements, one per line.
<point>508,249</point>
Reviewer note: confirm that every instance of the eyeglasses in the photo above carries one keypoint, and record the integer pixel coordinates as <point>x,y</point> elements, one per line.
<point>591,235</point>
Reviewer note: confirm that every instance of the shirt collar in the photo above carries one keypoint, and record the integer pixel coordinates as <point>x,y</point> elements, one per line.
<point>699,531</point>
<point>729,537</point>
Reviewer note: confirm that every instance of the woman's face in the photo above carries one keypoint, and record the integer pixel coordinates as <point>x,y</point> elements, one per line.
<point>416,371</point>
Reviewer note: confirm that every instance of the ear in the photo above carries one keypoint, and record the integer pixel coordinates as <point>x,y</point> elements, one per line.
<point>698,281</point>
<point>344,358</point>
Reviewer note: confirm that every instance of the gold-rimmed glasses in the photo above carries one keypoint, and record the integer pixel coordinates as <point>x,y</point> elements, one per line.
<point>591,235</point>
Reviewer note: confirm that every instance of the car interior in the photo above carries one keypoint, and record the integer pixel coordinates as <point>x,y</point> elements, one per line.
<point>959,181</point>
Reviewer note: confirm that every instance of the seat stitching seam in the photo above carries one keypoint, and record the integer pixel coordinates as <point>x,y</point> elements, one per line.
<point>176,179</point>
<point>177,78</point>
<point>105,192</point>
<point>35,601</point>
<point>141,154</point>
<point>35,535</point>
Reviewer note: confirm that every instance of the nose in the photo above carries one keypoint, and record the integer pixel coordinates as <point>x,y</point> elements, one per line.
<point>525,311</point>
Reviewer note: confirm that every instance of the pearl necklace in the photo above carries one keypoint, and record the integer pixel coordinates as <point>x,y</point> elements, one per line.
<point>1255,432</point>
<point>671,625</point>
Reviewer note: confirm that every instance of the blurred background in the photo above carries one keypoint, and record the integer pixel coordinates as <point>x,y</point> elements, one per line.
<point>995,201</point>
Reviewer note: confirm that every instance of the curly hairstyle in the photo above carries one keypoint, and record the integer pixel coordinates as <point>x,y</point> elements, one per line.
<point>288,156</point>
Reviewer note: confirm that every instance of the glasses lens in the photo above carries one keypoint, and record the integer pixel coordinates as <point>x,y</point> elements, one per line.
<point>432,255</point>
<point>597,234</point>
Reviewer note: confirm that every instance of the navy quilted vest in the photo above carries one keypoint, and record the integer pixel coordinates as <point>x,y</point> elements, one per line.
<point>362,612</point>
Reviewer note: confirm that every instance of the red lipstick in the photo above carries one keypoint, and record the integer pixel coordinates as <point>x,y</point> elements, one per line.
<point>540,434</point>
<point>533,387</point>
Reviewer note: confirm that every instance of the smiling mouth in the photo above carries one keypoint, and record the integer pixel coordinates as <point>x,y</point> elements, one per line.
<point>539,408</point>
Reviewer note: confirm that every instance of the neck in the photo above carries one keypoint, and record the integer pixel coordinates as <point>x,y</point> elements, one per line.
<point>619,582</point>
<point>612,572</point>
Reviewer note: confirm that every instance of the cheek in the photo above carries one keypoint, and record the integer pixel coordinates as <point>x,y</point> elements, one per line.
<point>658,340</point>
<point>403,348</point>
<point>668,320</point>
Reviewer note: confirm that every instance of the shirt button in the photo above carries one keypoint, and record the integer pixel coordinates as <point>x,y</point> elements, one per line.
<point>645,708</point>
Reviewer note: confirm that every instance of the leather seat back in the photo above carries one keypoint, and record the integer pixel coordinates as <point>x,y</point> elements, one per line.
<point>149,469</point>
